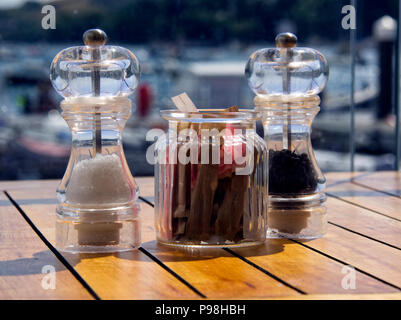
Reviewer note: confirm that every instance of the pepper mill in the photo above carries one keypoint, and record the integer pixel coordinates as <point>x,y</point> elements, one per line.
<point>97,207</point>
<point>287,80</point>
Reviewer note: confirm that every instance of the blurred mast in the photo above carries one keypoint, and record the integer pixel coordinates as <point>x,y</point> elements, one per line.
<point>397,89</point>
<point>352,100</point>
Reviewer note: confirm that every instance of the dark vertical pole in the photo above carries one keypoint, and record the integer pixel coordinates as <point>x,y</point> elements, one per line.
<point>386,33</point>
<point>386,48</point>
<point>352,102</point>
<point>397,89</point>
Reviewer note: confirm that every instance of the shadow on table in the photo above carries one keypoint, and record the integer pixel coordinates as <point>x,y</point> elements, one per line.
<point>168,254</point>
<point>40,262</point>
<point>150,250</point>
<point>270,247</point>
<point>360,193</point>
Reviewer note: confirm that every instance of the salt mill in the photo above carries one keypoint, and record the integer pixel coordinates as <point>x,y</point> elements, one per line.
<point>97,207</point>
<point>287,80</point>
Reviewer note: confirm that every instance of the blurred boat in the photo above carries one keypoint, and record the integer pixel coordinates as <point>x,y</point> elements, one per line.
<point>337,95</point>
<point>216,84</point>
<point>222,83</point>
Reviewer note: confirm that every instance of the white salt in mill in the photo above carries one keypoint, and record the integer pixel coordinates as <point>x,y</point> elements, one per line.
<point>97,207</point>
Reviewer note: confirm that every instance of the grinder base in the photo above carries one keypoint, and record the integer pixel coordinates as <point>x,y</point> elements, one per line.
<point>297,217</point>
<point>97,230</point>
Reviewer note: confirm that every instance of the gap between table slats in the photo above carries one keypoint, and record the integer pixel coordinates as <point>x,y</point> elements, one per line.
<point>313,262</point>
<point>249,281</point>
<point>167,286</point>
<point>250,262</point>
<point>21,271</point>
<point>342,178</point>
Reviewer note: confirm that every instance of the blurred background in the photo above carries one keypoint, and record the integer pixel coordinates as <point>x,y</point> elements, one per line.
<point>201,47</point>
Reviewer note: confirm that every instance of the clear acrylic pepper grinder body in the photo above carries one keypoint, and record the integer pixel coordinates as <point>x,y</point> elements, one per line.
<point>97,207</point>
<point>287,80</point>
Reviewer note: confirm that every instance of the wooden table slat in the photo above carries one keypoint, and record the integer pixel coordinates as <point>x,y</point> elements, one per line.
<point>128,275</point>
<point>365,222</point>
<point>364,232</point>
<point>301,267</point>
<point>385,181</point>
<point>369,199</point>
<point>372,257</point>
<point>227,273</point>
<point>22,258</point>
<point>214,272</point>
<point>334,178</point>
<point>308,270</point>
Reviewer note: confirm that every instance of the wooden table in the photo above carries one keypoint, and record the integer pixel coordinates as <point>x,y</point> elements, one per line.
<point>364,233</point>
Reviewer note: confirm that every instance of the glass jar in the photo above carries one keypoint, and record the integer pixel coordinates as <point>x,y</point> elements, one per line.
<point>296,183</point>
<point>97,209</point>
<point>210,180</point>
<point>287,80</point>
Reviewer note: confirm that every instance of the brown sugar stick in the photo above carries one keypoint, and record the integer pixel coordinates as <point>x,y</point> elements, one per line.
<point>202,196</point>
<point>181,212</point>
<point>231,109</point>
<point>184,103</point>
<point>231,211</point>
<point>250,219</point>
<point>183,177</point>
